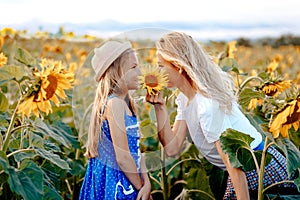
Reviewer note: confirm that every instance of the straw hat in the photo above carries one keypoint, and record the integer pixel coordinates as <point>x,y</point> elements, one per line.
<point>106,54</point>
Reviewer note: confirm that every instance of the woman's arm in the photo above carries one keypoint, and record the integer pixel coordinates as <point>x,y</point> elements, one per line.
<point>237,176</point>
<point>115,116</point>
<point>171,139</point>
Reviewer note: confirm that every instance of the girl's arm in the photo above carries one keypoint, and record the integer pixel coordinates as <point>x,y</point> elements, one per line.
<point>237,176</point>
<point>145,192</point>
<point>115,116</point>
<point>171,139</point>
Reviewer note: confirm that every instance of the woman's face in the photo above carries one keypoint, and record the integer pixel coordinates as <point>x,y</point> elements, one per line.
<point>131,72</point>
<point>170,70</point>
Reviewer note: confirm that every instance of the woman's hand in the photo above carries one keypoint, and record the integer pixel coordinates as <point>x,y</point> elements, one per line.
<point>155,99</point>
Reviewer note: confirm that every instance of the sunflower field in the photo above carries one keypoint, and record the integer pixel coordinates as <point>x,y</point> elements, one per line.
<point>47,87</point>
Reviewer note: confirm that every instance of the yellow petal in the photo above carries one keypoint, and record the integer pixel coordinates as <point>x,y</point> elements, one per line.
<point>296,125</point>
<point>285,130</point>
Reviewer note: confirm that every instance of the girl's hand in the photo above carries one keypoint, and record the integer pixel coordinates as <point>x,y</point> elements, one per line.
<point>155,99</point>
<point>145,192</point>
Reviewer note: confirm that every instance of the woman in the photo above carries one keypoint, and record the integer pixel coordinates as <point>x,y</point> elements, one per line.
<point>115,169</point>
<point>206,107</point>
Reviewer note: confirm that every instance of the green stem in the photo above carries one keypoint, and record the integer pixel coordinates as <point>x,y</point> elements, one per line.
<point>163,169</point>
<point>237,80</point>
<point>1,141</point>
<point>261,172</point>
<point>19,151</point>
<point>77,154</point>
<point>200,191</point>
<point>20,127</point>
<point>255,161</point>
<point>164,177</point>
<point>188,159</point>
<point>247,81</point>
<point>155,180</point>
<point>81,128</point>
<point>10,128</point>
<point>278,183</point>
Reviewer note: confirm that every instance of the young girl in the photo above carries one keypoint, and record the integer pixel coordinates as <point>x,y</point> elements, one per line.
<point>116,169</point>
<point>206,108</point>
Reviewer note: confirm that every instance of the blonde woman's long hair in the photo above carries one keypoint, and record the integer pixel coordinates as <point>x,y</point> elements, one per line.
<point>107,85</point>
<point>207,77</point>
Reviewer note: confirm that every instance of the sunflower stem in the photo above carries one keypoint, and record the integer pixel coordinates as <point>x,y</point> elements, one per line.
<point>241,86</point>
<point>260,191</point>
<point>163,169</point>
<point>10,128</point>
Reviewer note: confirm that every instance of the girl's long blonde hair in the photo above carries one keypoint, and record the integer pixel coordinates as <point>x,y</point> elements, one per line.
<point>207,77</point>
<point>107,85</point>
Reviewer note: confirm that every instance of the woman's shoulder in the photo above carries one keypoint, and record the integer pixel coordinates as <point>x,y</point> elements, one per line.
<point>205,102</point>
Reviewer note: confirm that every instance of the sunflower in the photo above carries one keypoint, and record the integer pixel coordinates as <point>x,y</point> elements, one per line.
<point>289,116</point>
<point>50,84</point>
<point>1,41</point>
<point>153,79</point>
<point>254,102</point>
<point>273,89</point>
<point>151,57</point>
<point>231,48</point>
<point>272,66</point>
<point>3,59</point>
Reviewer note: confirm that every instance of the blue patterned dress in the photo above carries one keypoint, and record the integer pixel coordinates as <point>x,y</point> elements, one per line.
<point>104,178</point>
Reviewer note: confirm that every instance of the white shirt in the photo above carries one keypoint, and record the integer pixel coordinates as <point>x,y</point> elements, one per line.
<point>206,122</point>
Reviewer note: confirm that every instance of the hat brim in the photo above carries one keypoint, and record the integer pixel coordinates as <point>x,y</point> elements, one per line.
<point>114,55</point>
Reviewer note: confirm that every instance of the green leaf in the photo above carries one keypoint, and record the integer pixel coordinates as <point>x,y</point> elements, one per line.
<point>26,181</point>
<point>5,75</point>
<point>43,128</point>
<point>229,63</point>
<point>197,178</point>
<point>77,167</point>
<point>13,71</point>
<point>297,180</point>
<point>3,103</point>
<point>55,159</point>
<point>24,57</point>
<point>33,171</point>
<point>226,68</point>
<point>24,155</point>
<point>247,94</point>
<point>65,132</point>
<point>51,193</point>
<point>36,140</point>
<point>4,164</point>
<point>237,146</point>
<point>153,160</point>
<point>292,154</point>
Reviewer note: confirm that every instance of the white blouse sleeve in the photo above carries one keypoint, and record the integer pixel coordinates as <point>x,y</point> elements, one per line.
<point>213,120</point>
<point>181,102</point>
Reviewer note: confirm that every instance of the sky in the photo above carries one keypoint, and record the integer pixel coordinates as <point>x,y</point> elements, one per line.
<point>136,11</point>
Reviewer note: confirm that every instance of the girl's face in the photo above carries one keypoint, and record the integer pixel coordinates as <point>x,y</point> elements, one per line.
<point>131,72</point>
<point>170,70</point>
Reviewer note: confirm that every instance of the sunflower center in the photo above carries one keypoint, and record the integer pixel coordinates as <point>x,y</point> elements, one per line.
<point>294,117</point>
<point>151,81</point>
<point>51,88</point>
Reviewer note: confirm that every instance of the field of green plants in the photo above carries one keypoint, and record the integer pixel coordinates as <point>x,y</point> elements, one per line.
<point>47,87</point>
